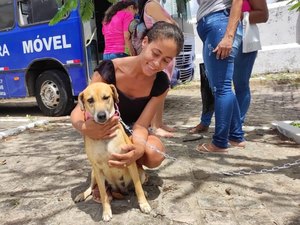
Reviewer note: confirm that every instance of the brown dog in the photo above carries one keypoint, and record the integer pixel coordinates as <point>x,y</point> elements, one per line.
<point>98,101</point>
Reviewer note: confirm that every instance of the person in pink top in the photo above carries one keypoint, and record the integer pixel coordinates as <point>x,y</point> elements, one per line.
<point>115,29</point>
<point>150,12</point>
<point>246,6</point>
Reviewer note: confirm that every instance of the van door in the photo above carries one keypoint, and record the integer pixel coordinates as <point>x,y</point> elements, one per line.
<point>90,37</point>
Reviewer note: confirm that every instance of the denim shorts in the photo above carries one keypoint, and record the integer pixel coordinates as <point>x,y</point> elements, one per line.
<point>108,56</point>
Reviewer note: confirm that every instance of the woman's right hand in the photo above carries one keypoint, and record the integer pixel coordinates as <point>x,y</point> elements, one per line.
<point>224,48</point>
<point>100,131</point>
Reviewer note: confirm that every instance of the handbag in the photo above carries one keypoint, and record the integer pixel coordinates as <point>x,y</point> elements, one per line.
<point>251,38</point>
<point>207,96</point>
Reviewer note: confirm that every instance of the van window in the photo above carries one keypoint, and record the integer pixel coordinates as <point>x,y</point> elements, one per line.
<point>37,11</point>
<point>6,14</point>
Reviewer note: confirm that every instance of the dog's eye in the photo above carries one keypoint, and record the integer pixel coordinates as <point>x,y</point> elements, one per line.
<point>90,100</point>
<point>105,97</point>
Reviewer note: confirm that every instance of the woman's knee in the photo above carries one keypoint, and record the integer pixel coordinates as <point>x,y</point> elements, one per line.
<point>154,153</point>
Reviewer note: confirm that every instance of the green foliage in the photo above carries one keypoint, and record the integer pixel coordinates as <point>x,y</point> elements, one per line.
<point>295,124</point>
<point>86,9</point>
<point>296,6</point>
<point>65,9</point>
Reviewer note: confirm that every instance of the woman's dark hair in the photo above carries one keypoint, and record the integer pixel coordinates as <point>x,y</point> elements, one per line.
<point>113,9</point>
<point>141,6</point>
<point>164,30</point>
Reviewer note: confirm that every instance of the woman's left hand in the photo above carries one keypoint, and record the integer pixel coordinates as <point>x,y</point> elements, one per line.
<point>130,153</point>
<point>224,48</point>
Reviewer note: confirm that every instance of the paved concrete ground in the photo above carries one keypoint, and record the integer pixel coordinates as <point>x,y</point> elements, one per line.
<point>42,169</point>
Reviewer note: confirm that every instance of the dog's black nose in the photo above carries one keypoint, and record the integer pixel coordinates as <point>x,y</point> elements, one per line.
<point>101,117</point>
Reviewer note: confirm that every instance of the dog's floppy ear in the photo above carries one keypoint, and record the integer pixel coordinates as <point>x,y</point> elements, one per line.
<point>115,93</point>
<point>81,101</point>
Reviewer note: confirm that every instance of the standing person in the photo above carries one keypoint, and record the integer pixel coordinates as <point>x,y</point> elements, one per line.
<point>142,86</point>
<point>220,30</point>
<point>258,13</point>
<point>150,11</point>
<point>243,65</point>
<point>115,29</point>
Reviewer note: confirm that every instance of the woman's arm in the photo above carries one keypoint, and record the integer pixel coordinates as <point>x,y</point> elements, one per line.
<point>89,127</point>
<point>126,20</point>
<point>128,43</point>
<point>140,129</point>
<point>139,135</point>
<point>155,10</point>
<point>224,47</point>
<point>259,11</point>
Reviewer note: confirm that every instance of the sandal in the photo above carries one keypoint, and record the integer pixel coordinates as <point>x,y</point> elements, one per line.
<point>198,129</point>
<point>210,148</point>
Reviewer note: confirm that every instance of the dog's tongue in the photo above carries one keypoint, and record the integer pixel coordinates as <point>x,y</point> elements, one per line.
<point>87,115</point>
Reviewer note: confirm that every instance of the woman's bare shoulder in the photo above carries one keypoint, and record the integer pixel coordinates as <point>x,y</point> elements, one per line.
<point>153,5</point>
<point>125,65</point>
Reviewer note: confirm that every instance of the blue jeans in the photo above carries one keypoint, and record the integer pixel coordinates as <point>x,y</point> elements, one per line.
<point>243,65</point>
<point>108,56</point>
<point>211,30</point>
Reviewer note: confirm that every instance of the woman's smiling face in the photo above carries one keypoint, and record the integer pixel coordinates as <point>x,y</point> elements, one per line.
<point>157,55</point>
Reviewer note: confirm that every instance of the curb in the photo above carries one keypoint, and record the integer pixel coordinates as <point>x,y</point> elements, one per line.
<point>288,130</point>
<point>22,128</point>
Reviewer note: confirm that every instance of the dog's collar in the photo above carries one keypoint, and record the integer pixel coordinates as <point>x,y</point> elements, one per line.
<point>117,111</point>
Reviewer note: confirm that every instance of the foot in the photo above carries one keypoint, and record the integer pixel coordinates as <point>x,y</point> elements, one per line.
<point>200,128</point>
<point>241,144</point>
<point>96,194</point>
<point>167,128</point>
<point>163,133</point>
<point>210,148</point>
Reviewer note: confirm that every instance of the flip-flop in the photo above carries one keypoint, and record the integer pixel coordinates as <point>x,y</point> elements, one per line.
<point>198,129</point>
<point>207,148</point>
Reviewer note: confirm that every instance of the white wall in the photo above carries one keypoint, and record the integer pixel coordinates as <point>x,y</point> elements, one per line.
<point>280,38</point>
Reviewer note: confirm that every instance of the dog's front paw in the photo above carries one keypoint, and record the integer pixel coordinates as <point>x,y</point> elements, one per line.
<point>107,215</point>
<point>145,207</point>
<point>79,198</point>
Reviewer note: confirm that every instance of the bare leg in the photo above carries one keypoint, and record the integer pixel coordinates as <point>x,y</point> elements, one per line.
<point>153,156</point>
<point>159,128</point>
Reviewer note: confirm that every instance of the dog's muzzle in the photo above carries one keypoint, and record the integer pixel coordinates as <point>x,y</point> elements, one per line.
<point>101,117</point>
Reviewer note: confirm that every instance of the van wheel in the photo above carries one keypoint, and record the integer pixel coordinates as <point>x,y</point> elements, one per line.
<point>53,93</point>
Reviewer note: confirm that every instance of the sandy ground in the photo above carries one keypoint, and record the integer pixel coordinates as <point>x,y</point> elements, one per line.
<point>42,169</point>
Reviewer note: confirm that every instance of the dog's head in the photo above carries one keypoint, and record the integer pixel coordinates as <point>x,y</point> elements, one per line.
<point>98,100</point>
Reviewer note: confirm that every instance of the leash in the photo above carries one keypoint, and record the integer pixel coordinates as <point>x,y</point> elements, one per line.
<point>270,170</point>
<point>152,147</point>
